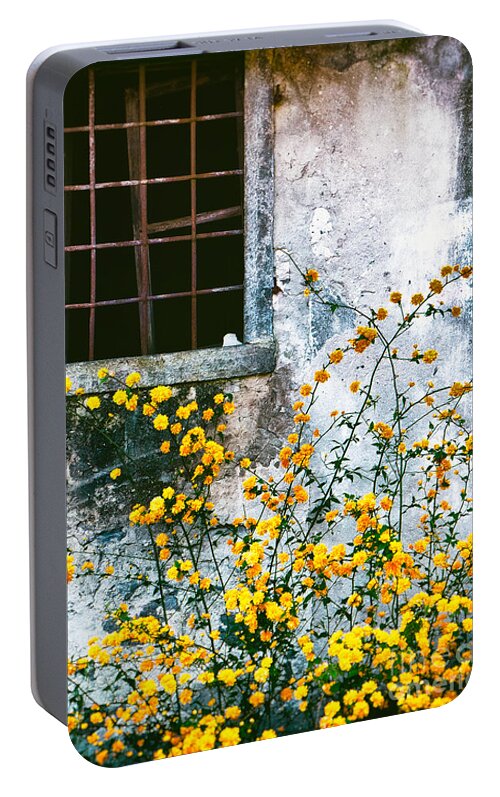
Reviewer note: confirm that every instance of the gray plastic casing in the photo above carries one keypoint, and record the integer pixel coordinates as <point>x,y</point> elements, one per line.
<point>47,79</point>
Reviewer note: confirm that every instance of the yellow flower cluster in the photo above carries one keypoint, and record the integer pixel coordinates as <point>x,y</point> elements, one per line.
<point>346,595</point>
<point>365,337</point>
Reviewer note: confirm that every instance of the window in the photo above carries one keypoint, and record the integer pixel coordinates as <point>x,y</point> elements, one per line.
<point>159,256</point>
<point>155,250</point>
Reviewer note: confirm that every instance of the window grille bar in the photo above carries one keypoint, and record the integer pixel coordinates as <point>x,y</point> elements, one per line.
<point>144,307</point>
<point>93,232</point>
<point>152,241</point>
<point>153,298</point>
<point>213,117</point>
<point>200,218</point>
<point>192,168</point>
<point>155,180</point>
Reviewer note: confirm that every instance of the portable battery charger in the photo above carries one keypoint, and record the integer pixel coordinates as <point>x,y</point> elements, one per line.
<point>249,261</point>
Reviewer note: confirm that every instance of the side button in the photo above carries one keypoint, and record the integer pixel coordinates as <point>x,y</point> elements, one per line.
<point>50,238</point>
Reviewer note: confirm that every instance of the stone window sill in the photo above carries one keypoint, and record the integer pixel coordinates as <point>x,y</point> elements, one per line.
<point>200,365</point>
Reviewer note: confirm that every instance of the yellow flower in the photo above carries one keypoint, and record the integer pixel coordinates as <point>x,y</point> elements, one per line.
<point>120,397</point>
<point>360,710</point>
<point>300,493</point>
<point>417,298</point>
<point>227,676</point>
<point>148,688</point>
<point>219,398</point>
<point>354,386</point>
<point>233,712</point>
<point>250,483</point>
<point>168,683</point>
<point>68,384</point>
<point>229,737</point>
<point>321,376</point>
<point>330,516</point>
<point>70,568</point>
<point>456,311</point>
<point>261,675</point>
<point>336,356</point>
<point>165,447</point>
<point>366,336</point>
<point>446,271</point>
<point>286,694</point>
<point>245,462</point>
<point>377,699</point>
<point>305,390</point>
<point>332,708</point>
<point>184,412</point>
<point>93,402</point>
<point>176,428</point>
<point>420,545</point>
<point>382,313</point>
<point>160,423</point>
<point>312,275</point>
<point>269,734</point>
<point>274,612</point>
<point>132,379</point>
<point>436,286</point>
<point>354,599</point>
<point>383,430</point>
<point>395,297</point>
<point>102,373</point>
<point>160,394</point>
<point>459,389</point>
<point>186,696</point>
<point>256,698</point>
<point>115,473</point>
<point>429,356</point>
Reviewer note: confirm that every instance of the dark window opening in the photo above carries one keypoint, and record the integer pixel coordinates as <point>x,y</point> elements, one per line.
<point>154,206</point>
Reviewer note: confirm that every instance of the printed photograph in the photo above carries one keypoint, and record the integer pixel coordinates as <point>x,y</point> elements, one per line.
<point>268,267</point>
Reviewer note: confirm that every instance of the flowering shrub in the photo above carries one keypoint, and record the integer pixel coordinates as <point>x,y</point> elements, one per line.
<point>344,591</point>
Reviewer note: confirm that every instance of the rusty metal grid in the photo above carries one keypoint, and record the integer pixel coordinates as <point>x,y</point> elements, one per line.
<point>142,229</point>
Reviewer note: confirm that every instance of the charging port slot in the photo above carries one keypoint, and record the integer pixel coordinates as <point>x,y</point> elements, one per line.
<point>151,49</point>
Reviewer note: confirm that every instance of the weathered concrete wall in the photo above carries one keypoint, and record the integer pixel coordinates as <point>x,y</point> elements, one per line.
<point>372,188</point>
